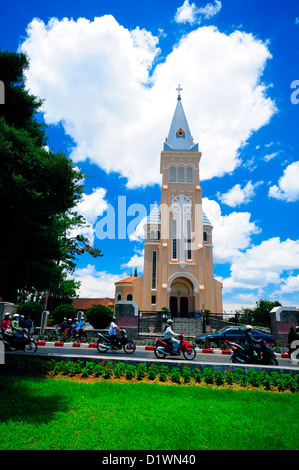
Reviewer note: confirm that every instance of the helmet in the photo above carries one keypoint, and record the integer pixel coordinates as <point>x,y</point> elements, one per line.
<point>248,327</point>
<point>16,315</point>
<point>6,314</point>
<point>169,321</point>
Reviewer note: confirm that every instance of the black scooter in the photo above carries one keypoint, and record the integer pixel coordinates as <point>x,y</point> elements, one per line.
<point>240,354</point>
<point>26,343</point>
<point>104,343</point>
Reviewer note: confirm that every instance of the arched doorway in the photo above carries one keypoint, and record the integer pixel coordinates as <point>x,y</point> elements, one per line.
<point>173,305</point>
<point>181,297</point>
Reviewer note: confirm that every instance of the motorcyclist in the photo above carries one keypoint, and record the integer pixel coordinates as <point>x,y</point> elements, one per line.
<point>6,324</point>
<point>63,325</point>
<point>17,330</point>
<point>169,335</point>
<point>250,342</point>
<point>112,331</point>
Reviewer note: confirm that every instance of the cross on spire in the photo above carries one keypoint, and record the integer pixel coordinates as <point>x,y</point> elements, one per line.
<point>179,89</point>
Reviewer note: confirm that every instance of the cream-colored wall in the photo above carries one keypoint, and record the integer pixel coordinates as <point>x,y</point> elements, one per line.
<point>209,293</point>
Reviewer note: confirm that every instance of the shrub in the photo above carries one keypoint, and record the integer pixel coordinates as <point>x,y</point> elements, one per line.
<point>63,311</point>
<point>107,372</point>
<point>119,369</point>
<point>197,375</point>
<point>175,375</point>
<point>253,378</point>
<point>32,309</point>
<point>218,378</point>
<point>152,372</point>
<point>130,372</point>
<point>141,371</point>
<point>207,375</point>
<point>72,368</point>
<point>186,374</point>
<point>163,374</point>
<point>99,369</point>
<point>99,316</point>
<point>229,376</point>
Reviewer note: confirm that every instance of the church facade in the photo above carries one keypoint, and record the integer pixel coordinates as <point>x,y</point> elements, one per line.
<point>178,250</point>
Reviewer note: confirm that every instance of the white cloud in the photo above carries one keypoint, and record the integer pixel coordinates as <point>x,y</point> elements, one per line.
<point>263,264</point>
<point>90,207</point>
<point>96,283</point>
<point>192,14</point>
<point>231,233</point>
<point>289,285</point>
<point>100,81</point>
<point>237,195</point>
<point>270,156</point>
<point>138,234</point>
<point>136,261</point>
<point>288,186</point>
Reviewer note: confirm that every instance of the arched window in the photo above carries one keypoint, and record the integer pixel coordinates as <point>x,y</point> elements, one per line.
<point>152,234</point>
<point>181,174</point>
<point>172,174</point>
<point>129,297</point>
<point>205,237</point>
<point>189,174</point>
<point>118,297</point>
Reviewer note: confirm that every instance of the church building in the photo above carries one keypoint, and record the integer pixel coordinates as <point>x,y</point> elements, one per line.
<point>178,250</point>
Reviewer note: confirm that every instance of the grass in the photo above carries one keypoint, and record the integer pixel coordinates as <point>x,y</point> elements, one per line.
<point>61,414</point>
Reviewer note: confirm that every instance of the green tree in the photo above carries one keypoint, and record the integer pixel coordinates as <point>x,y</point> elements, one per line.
<point>99,316</point>
<point>64,311</point>
<point>38,192</point>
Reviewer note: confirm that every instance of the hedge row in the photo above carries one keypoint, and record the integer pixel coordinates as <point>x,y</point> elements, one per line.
<point>274,381</point>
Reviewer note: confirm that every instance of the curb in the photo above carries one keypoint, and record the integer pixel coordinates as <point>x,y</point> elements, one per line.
<point>147,348</point>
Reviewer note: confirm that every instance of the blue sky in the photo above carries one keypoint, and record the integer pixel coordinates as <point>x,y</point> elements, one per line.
<point>108,73</point>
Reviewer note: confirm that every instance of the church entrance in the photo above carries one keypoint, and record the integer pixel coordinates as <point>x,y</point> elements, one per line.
<point>181,299</point>
<point>184,306</point>
<point>173,305</point>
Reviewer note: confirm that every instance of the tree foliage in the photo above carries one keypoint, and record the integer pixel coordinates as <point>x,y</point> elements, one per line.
<point>259,315</point>
<point>99,316</point>
<point>38,192</point>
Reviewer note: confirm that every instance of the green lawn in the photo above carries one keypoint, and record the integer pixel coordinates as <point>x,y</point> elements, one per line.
<point>45,414</point>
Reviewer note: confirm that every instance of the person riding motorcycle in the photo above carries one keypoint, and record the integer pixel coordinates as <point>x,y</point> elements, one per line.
<point>16,329</point>
<point>112,331</point>
<point>169,335</point>
<point>6,323</point>
<point>250,342</point>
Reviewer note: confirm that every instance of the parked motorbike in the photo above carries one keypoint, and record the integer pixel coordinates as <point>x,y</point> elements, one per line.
<point>26,343</point>
<point>105,344</point>
<point>164,348</point>
<point>240,354</point>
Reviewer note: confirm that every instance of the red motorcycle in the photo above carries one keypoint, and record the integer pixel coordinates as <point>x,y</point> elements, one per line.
<point>164,348</point>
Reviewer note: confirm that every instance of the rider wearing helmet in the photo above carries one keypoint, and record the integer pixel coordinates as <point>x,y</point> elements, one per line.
<point>169,335</point>
<point>250,342</point>
<point>5,322</point>
<point>17,330</point>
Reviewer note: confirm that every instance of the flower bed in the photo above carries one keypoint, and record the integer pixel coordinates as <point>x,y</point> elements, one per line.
<point>81,370</point>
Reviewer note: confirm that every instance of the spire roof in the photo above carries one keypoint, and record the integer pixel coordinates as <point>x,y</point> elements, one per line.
<point>179,136</point>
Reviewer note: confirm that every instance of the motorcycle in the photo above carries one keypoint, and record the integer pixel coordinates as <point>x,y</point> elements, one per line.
<point>164,348</point>
<point>240,354</point>
<point>26,343</point>
<point>104,343</point>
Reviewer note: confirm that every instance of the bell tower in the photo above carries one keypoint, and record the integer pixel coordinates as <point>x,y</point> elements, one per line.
<point>178,246</point>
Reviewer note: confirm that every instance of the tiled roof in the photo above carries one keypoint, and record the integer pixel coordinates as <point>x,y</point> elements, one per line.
<point>128,280</point>
<point>85,303</point>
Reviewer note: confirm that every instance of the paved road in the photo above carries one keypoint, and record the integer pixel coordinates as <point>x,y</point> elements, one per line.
<point>140,355</point>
